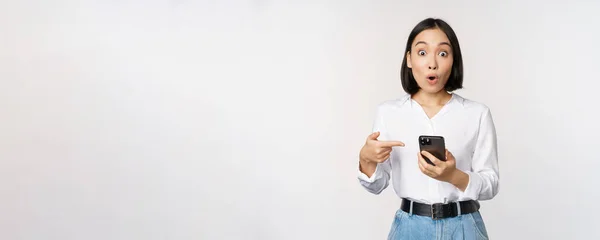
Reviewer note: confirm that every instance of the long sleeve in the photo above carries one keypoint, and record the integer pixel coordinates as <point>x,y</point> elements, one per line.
<point>484,177</point>
<point>380,179</point>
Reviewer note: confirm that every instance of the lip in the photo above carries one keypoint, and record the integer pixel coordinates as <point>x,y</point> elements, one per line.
<point>432,75</point>
<point>432,78</point>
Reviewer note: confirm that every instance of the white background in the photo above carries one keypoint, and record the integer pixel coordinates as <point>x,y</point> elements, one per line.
<point>179,119</point>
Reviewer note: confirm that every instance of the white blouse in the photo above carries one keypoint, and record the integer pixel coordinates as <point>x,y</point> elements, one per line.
<point>470,135</point>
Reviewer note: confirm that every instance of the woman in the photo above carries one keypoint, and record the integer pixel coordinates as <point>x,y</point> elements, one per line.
<point>439,200</point>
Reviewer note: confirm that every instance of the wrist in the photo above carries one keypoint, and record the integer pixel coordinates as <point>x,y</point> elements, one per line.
<point>367,167</point>
<point>365,162</point>
<point>362,159</point>
<point>459,179</point>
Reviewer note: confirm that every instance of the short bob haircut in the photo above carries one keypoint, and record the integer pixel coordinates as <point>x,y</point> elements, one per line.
<point>455,80</point>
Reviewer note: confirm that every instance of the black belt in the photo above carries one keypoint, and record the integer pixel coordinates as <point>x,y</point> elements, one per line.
<point>440,210</point>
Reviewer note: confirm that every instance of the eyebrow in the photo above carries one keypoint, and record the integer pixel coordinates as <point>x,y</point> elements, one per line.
<point>442,43</point>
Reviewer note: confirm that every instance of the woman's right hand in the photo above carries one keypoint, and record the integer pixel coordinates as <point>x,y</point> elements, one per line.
<point>375,151</point>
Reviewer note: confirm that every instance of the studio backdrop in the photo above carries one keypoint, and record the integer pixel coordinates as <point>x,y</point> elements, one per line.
<point>181,119</point>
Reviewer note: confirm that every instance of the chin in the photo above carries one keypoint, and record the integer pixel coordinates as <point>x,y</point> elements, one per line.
<point>432,89</point>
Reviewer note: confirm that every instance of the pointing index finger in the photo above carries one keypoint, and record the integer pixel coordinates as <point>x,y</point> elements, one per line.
<point>391,143</point>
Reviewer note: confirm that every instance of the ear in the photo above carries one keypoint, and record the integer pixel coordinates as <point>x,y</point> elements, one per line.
<point>408,63</point>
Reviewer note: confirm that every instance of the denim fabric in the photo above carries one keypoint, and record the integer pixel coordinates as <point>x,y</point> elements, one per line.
<point>410,226</point>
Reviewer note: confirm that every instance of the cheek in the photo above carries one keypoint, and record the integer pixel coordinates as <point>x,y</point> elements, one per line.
<point>446,67</point>
<point>419,66</point>
<point>447,64</point>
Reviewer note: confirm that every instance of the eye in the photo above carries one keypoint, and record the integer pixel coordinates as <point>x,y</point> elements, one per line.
<point>443,54</point>
<point>421,53</point>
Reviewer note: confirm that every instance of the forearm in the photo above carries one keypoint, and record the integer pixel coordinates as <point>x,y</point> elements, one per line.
<point>482,185</point>
<point>368,168</point>
<point>373,176</point>
<point>460,180</point>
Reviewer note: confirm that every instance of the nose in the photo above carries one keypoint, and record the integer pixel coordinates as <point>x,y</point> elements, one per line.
<point>433,64</point>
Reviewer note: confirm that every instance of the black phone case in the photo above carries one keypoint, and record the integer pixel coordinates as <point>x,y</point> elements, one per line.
<point>434,145</point>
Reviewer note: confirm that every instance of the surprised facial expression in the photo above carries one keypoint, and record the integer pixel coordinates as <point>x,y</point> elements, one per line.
<point>430,60</point>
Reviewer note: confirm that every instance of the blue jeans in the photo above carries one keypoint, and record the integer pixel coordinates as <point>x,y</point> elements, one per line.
<point>409,226</point>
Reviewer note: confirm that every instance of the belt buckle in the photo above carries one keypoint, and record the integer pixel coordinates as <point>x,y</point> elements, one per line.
<point>435,209</point>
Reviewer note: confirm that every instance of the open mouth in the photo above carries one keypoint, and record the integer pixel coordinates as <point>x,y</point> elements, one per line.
<point>432,77</point>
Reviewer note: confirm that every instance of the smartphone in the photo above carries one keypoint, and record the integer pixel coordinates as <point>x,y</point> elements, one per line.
<point>434,145</point>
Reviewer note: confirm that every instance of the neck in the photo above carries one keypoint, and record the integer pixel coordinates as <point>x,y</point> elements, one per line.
<point>432,99</point>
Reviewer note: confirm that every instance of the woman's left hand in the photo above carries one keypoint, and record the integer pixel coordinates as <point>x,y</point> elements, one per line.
<point>443,170</point>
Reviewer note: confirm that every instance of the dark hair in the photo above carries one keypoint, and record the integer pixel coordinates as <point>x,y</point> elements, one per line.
<point>456,76</point>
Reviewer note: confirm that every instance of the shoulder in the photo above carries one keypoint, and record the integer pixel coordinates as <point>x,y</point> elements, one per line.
<point>393,104</point>
<point>473,106</point>
<point>476,109</point>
